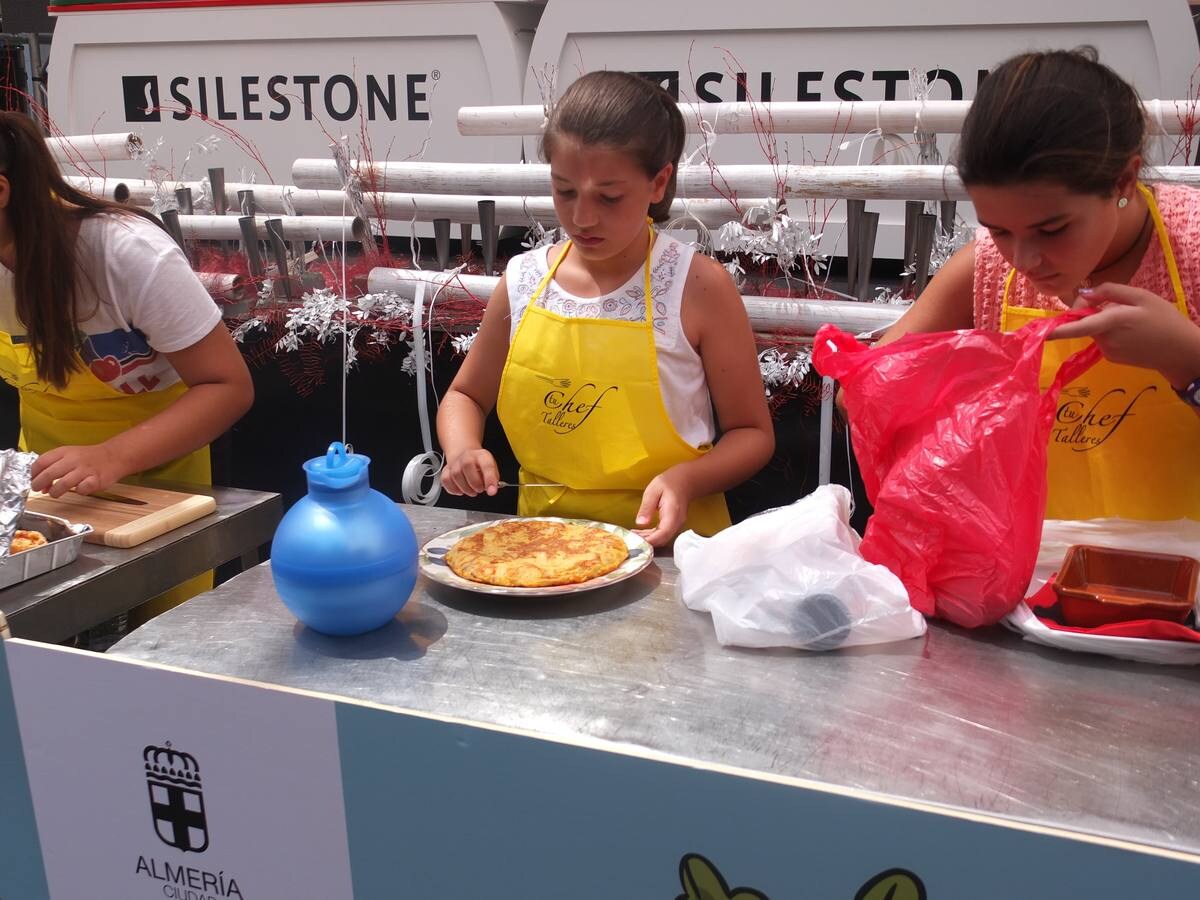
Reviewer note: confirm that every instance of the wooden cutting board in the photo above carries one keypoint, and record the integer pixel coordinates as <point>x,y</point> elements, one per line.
<point>123,524</point>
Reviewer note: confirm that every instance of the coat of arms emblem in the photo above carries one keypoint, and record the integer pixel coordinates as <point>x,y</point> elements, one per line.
<point>176,802</point>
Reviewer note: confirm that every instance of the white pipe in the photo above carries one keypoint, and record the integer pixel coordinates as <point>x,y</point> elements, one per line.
<point>94,147</point>
<point>521,211</point>
<point>301,228</point>
<point>225,286</point>
<point>766,313</point>
<point>820,117</point>
<point>137,191</point>
<point>695,181</point>
<point>270,198</point>
<point>398,209</point>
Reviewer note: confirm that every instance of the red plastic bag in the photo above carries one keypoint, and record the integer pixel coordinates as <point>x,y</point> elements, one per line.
<point>950,431</point>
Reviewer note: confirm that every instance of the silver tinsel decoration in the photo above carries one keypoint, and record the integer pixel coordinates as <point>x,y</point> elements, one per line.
<point>408,365</point>
<point>928,153</point>
<point>462,342</point>
<point>321,313</point>
<point>782,369</point>
<point>889,295</point>
<point>540,236</point>
<point>787,241</point>
<point>944,247</point>
<point>166,179</point>
<point>351,184</point>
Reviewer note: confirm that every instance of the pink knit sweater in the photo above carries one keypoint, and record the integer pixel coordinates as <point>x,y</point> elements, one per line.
<point>1180,209</point>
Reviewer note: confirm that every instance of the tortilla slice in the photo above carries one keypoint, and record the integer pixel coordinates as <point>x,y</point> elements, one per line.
<point>536,553</point>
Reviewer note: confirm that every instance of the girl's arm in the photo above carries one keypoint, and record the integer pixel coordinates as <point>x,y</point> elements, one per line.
<point>946,304</point>
<point>714,320</point>
<point>470,469</point>
<point>219,392</point>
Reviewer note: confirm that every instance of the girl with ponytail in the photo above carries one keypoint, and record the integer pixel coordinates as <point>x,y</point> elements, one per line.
<point>606,355</point>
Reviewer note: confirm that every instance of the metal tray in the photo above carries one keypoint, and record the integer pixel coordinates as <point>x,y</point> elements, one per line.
<point>62,546</point>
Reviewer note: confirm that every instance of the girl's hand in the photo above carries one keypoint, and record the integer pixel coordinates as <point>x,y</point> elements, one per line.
<point>669,495</point>
<point>472,472</point>
<point>1137,328</point>
<point>84,469</point>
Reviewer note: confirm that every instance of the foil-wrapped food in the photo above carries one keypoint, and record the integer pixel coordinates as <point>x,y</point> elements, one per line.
<point>16,473</point>
<point>31,544</point>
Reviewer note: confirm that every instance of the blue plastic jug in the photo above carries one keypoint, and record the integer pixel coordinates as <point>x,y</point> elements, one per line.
<point>344,557</point>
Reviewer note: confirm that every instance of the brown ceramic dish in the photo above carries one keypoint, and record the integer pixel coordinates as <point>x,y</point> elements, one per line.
<point>1100,585</point>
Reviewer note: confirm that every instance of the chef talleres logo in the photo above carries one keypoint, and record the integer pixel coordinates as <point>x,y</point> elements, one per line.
<point>1085,420</point>
<point>567,406</point>
<point>176,801</point>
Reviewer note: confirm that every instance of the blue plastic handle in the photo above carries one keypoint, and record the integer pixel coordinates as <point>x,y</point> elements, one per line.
<point>335,456</point>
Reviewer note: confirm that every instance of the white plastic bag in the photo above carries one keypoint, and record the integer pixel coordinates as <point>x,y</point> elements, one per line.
<point>792,577</point>
<point>1181,537</point>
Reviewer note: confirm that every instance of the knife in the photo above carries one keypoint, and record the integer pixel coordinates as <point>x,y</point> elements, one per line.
<point>115,498</point>
<point>505,484</point>
<point>99,495</point>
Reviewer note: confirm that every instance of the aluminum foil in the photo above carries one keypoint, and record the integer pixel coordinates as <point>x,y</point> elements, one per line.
<point>15,475</point>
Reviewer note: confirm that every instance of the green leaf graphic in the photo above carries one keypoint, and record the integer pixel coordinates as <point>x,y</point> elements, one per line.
<point>701,880</point>
<point>894,884</point>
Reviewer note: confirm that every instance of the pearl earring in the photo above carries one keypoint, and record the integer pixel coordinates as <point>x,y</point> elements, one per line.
<point>1122,203</point>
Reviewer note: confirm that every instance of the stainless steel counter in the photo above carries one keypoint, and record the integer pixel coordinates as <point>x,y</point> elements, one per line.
<point>105,582</point>
<point>981,721</point>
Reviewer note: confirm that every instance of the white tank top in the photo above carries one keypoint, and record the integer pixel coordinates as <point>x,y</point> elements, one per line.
<point>680,372</point>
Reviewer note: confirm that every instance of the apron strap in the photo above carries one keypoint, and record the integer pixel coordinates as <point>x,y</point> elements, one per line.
<point>1008,280</point>
<point>550,274</point>
<point>558,262</point>
<point>1164,241</point>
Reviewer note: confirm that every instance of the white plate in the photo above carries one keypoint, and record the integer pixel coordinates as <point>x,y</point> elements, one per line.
<point>433,561</point>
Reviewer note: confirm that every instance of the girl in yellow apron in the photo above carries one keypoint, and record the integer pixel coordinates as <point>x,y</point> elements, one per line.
<point>1050,154</point>
<point>625,342</point>
<point>123,366</point>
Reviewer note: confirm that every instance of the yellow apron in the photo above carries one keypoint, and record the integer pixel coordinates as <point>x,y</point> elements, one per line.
<point>1123,444</point>
<point>581,405</point>
<point>87,411</point>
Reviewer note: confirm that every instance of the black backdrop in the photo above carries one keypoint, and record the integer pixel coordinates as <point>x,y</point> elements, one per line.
<point>265,450</point>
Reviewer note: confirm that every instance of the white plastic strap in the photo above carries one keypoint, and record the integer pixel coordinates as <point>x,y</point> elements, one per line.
<point>825,452</point>
<point>420,482</point>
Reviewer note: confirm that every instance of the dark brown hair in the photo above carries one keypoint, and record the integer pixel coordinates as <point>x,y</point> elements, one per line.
<point>626,112</point>
<point>43,214</point>
<point>1058,116</point>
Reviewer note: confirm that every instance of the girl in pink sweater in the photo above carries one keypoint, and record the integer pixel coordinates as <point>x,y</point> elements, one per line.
<point>1050,154</point>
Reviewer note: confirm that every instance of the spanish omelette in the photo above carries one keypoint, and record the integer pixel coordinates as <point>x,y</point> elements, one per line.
<point>536,553</point>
